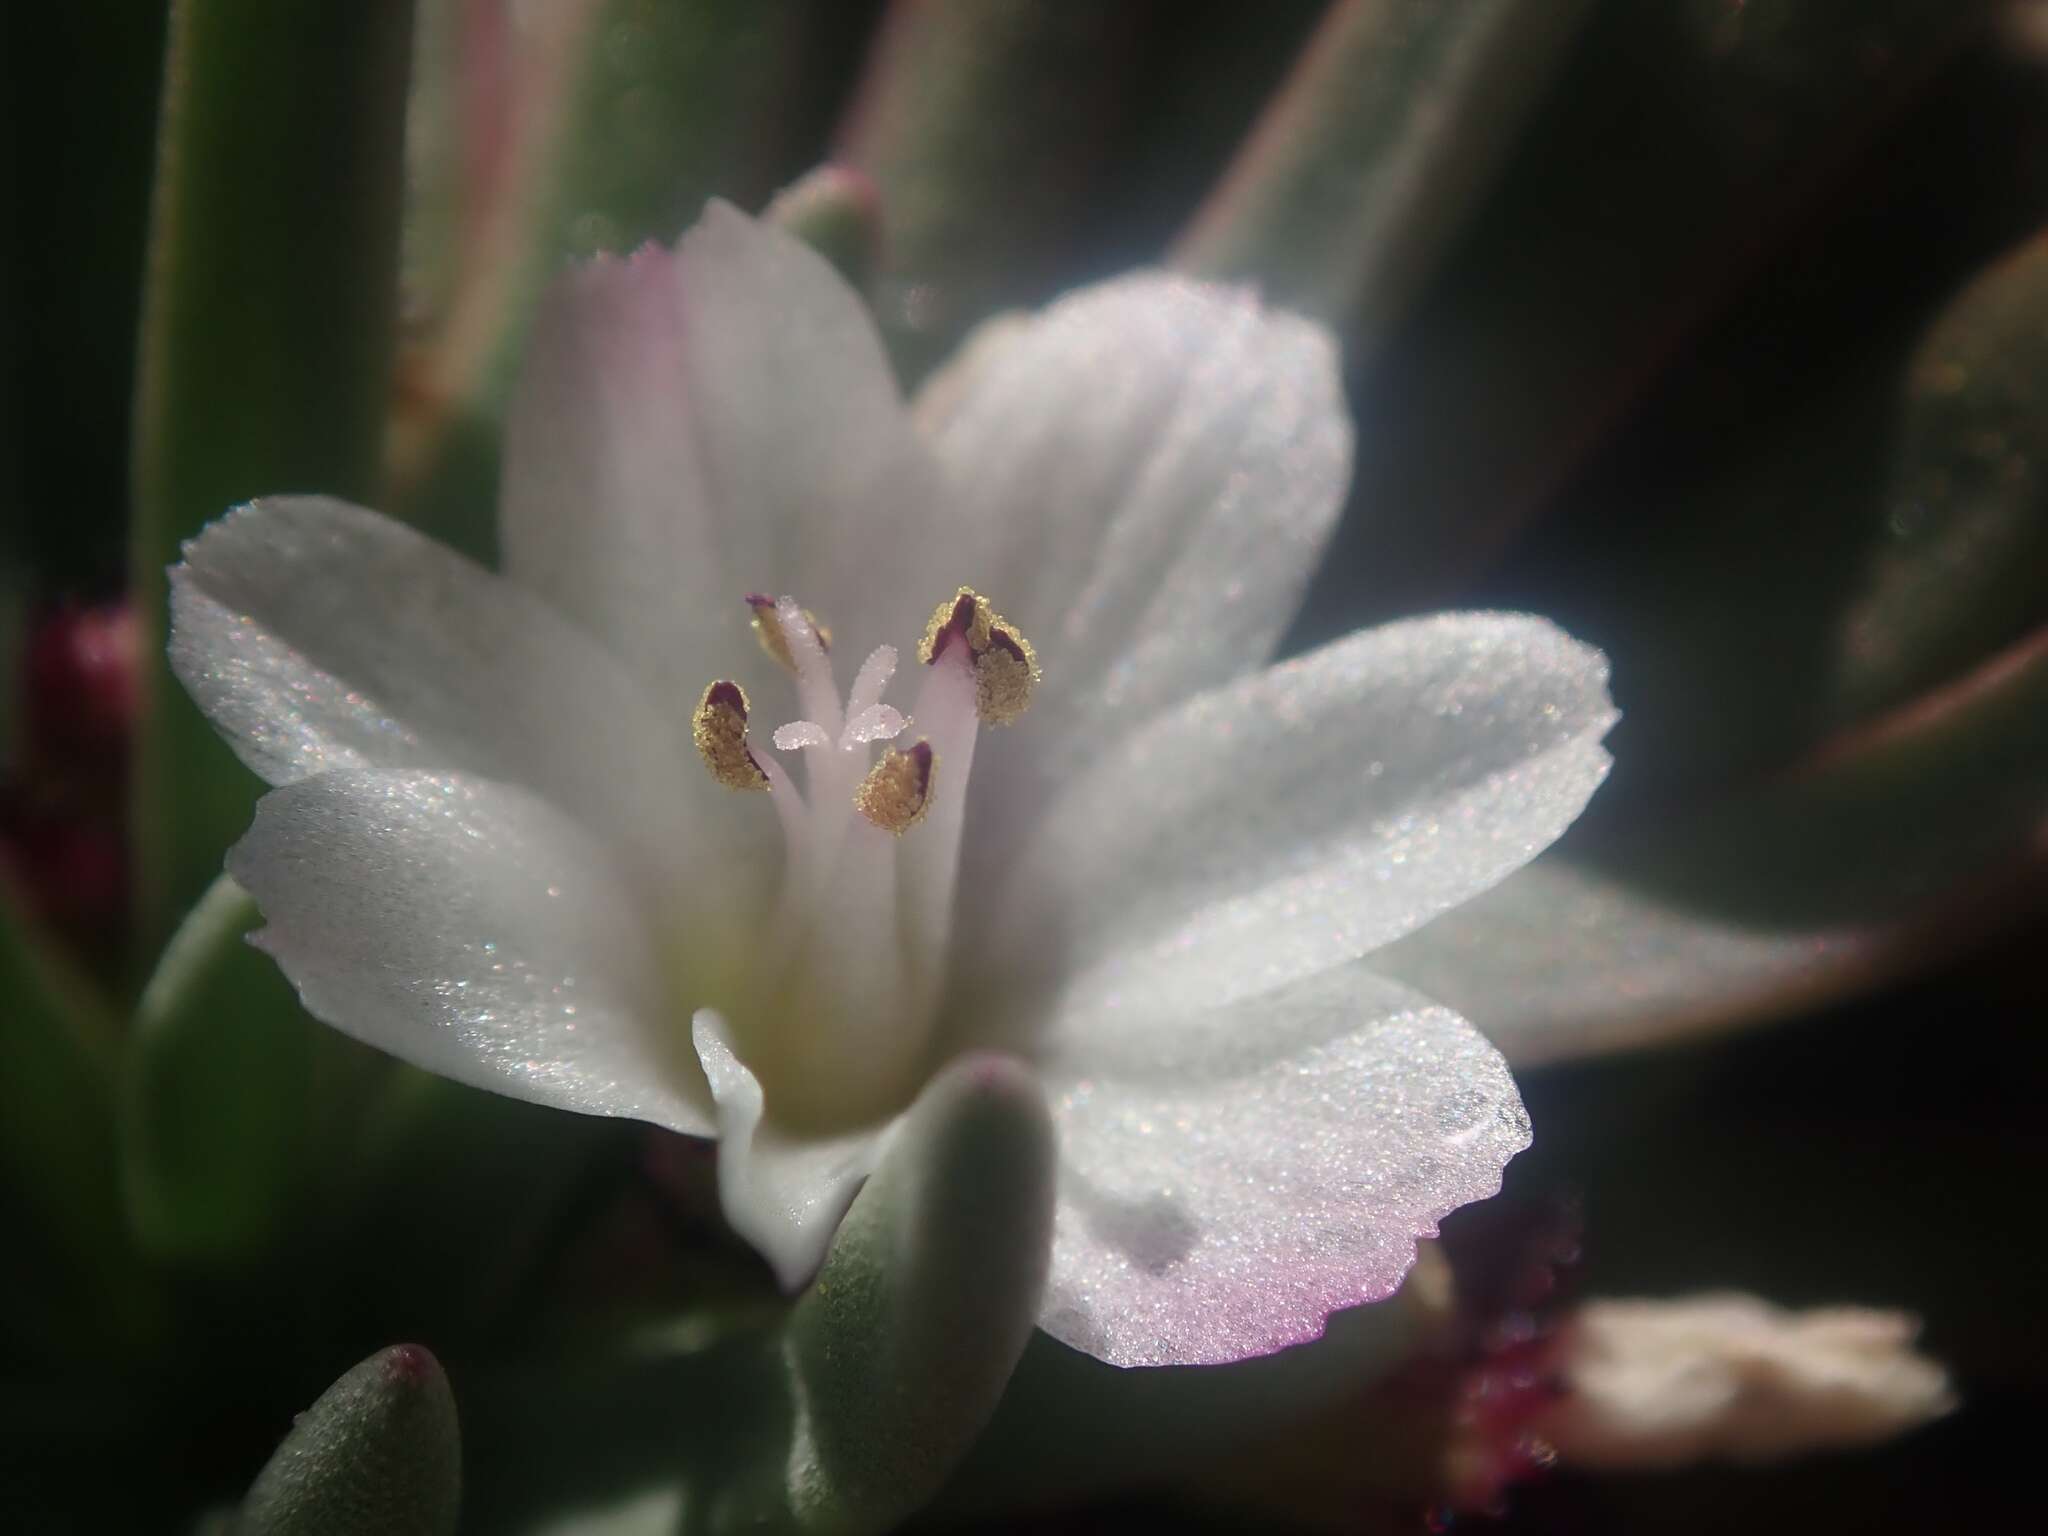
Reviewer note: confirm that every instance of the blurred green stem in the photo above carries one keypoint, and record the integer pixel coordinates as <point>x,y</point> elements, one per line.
<point>1367,161</point>
<point>266,347</point>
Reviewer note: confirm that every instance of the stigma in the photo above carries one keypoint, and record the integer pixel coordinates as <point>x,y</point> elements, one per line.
<point>858,935</point>
<point>965,636</point>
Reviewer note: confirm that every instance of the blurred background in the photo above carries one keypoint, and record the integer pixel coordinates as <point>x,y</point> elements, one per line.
<point>1716,330</point>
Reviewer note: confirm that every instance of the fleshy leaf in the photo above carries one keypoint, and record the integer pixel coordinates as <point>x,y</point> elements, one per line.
<point>972,121</point>
<point>219,1087</point>
<point>70,1259</point>
<point>379,1454</point>
<point>843,1413</point>
<point>1963,561</point>
<point>1373,152</point>
<point>1856,522</point>
<point>266,344</point>
<point>901,1349</point>
<point>597,126</point>
<point>1896,841</point>
<point>836,212</point>
<point>1588,267</point>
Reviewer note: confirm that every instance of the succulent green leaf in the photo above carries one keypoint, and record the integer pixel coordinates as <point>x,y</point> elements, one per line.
<point>834,211</point>
<point>1375,150</point>
<point>70,1272</point>
<point>1676,146</point>
<point>552,133</point>
<point>976,124</point>
<point>378,1454</point>
<point>901,1348</point>
<point>220,1085</point>
<point>457,1190</point>
<point>1962,562</point>
<point>843,1412</point>
<point>266,346</point>
<point>1905,837</point>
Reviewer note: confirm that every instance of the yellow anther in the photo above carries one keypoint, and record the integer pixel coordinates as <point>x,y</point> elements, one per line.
<point>768,630</point>
<point>1005,666</point>
<point>898,789</point>
<point>719,728</point>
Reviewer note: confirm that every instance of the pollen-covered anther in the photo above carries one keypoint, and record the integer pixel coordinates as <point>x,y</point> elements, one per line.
<point>768,630</point>
<point>719,727</point>
<point>1005,666</point>
<point>898,789</point>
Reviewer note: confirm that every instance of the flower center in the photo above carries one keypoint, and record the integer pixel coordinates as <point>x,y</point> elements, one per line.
<point>838,1017</point>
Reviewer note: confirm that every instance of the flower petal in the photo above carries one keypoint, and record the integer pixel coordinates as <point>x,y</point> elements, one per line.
<point>473,930</point>
<point>1312,813</point>
<point>1147,474</point>
<point>1230,1179</point>
<point>320,637</point>
<point>696,424</point>
<point>784,1194</point>
<point>1563,960</point>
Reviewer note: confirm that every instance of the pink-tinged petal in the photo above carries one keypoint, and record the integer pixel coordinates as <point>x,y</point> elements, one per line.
<point>605,509</point>
<point>783,1193</point>
<point>1230,1179</point>
<point>1309,814</point>
<point>696,424</point>
<point>319,637</point>
<point>470,928</point>
<point>1146,473</point>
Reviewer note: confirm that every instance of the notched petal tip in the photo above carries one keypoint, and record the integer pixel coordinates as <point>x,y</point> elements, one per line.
<point>1006,669</point>
<point>719,728</point>
<point>898,789</point>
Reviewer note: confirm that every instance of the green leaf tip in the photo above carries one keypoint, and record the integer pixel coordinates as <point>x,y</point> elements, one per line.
<point>214,1107</point>
<point>379,1454</point>
<point>837,212</point>
<point>902,1348</point>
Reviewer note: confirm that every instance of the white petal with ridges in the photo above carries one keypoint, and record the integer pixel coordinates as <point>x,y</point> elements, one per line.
<point>320,637</point>
<point>468,927</point>
<point>1230,1179</point>
<point>1147,473</point>
<point>697,424</point>
<point>1311,813</point>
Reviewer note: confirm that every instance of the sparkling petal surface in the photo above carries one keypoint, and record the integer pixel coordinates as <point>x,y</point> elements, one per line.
<point>320,637</point>
<point>1230,1179</point>
<point>1146,473</point>
<point>784,1194</point>
<point>1308,814</point>
<point>473,930</point>
<point>694,425</point>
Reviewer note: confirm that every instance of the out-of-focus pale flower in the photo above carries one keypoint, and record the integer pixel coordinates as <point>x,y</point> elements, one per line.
<point>510,839</point>
<point>1731,1377</point>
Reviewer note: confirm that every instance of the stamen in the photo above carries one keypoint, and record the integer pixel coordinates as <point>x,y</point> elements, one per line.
<point>1005,666</point>
<point>719,728</point>
<point>774,638</point>
<point>898,789</point>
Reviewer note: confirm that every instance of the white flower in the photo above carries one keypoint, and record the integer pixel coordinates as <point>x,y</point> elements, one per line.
<point>494,850</point>
<point>1731,1377</point>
